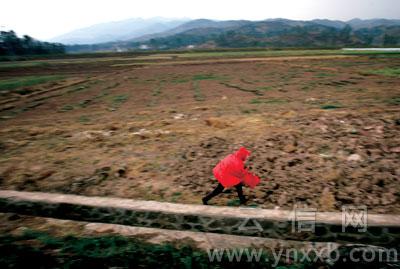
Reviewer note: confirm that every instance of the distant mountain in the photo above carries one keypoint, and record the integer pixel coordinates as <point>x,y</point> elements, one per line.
<point>194,24</point>
<point>278,32</point>
<point>330,23</point>
<point>358,23</point>
<point>118,31</point>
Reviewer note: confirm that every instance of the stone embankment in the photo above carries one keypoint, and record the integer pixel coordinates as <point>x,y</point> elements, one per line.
<point>382,230</point>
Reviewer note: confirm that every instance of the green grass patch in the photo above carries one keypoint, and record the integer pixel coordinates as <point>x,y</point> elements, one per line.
<point>259,53</point>
<point>265,88</point>
<point>36,249</point>
<point>18,82</point>
<point>180,80</point>
<point>255,101</point>
<point>268,101</point>
<point>157,90</point>
<point>252,205</point>
<point>32,105</point>
<point>394,101</point>
<point>240,88</point>
<point>66,108</point>
<point>310,70</point>
<point>47,97</point>
<point>305,88</point>
<point>119,100</point>
<point>48,251</point>
<point>384,56</point>
<point>12,65</point>
<point>246,81</point>
<point>24,91</point>
<point>198,95</point>
<point>106,91</point>
<point>391,72</point>
<point>102,94</point>
<point>331,106</point>
<point>204,77</point>
<point>116,84</point>
<point>276,101</point>
<point>248,110</point>
<point>234,202</point>
<point>175,196</point>
<point>84,103</point>
<point>324,75</point>
<point>232,53</point>
<point>76,89</point>
<point>84,119</point>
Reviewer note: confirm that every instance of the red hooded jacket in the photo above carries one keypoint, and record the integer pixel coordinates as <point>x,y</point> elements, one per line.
<point>230,171</point>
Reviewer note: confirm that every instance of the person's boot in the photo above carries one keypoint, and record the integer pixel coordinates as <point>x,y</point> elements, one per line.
<point>205,201</point>
<point>243,200</point>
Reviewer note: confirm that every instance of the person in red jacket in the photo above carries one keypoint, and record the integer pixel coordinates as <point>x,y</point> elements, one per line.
<point>230,172</point>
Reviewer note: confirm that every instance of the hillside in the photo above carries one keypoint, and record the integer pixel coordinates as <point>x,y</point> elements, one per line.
<point>285,33</point>
<point>273,33</point>
<point>194,24</point>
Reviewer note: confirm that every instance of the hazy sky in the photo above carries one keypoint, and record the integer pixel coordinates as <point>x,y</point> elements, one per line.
<point>44,19</point>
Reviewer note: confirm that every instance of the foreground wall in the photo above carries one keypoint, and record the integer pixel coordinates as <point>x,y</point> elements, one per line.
<point>383,230</point>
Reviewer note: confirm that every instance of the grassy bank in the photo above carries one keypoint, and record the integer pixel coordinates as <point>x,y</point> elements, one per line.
<point>18,82</point>
<point>35,249</point>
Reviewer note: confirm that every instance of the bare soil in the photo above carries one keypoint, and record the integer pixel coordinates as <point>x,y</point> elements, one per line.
<point>323,131</point>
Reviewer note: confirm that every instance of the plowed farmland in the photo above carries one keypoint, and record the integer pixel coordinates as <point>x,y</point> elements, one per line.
<point>324,130</point>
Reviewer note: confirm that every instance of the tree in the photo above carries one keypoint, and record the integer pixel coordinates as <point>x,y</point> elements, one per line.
<point>11,44</point>
<point>390,40</point>
<point>344,34</point>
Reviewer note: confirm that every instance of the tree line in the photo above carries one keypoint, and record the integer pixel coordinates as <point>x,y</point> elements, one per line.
<point>11,44</point>
<point>313,36</point>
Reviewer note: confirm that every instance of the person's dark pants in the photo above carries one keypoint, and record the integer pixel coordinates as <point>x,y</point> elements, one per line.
<point>219,190</point>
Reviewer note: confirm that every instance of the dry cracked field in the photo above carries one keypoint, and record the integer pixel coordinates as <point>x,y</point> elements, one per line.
<point>324,130</point>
